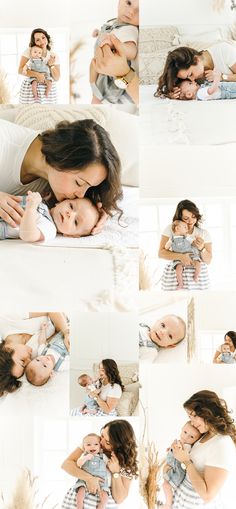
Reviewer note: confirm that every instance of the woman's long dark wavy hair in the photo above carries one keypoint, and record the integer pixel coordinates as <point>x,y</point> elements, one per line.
<point>178,59</point>
<point>232,336</point>
<point>72,146</point>
<point>112,372</point>
<point>8,382</point>
<point>190,207</point>
<point>123,444</point>
<point>214,411</point>
<point>41,31</point>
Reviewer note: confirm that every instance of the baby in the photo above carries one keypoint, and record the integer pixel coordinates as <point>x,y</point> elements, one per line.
<point>166,332</point>
<point>51,355</point>
<point>90,405</point>
<point>181,242</point>
<point>72,218</point>
<point>94,462</point>
<point>125,28</point>
<point>226,355</point>
<point>37,63</point>
<point>174,471</point>
<point>208,91</point>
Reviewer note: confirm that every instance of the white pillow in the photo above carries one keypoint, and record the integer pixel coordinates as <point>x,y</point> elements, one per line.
<point>125,405</point>
<point>134,389</point>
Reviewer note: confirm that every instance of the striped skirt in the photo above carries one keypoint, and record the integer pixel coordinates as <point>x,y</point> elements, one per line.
<point>185,497</point>
<point>169,281</point>
<point>90,501</point>
<point>77,412</point>
<point>26,94</point>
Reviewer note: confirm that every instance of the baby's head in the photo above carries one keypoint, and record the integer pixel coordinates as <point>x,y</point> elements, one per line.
<point>189,434</point>
<point>179,227</point>
<point>188,90</point>
<point>225,348</point>
<point>36,52</point>
<point>75,218</point>
<point>128,12</point>
<point>92,443</point>
<point>40,369</point>
<point>168,331</point>
<point>85,380</point>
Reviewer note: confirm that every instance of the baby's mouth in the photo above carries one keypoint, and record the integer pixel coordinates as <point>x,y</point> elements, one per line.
<point>93,451</point>
<point>155,336</point>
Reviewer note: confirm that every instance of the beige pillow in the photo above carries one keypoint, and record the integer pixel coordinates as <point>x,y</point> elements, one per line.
<point>133,389</point>
<point>125,405</point>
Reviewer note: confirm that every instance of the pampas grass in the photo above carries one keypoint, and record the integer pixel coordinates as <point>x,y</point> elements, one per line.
<point>25,494</point>
<point>4,91</point>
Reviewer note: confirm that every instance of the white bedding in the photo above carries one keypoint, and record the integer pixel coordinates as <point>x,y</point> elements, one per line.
<point>166,121</point>
<point>152,307</point>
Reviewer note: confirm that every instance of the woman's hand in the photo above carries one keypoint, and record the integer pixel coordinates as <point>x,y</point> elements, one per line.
<point>10,210</point>
<point>111,61</point>
<point>199,243</point>
<point>51,60</point>
<point>93,484</point>
<point>175,94</point>
<point>113,464</point>
<point>94,393</point>
<point>40,77</point>
<point>179,453</point>
<point>102,220</point>
<point>213,75</point>
<point>185,258</point>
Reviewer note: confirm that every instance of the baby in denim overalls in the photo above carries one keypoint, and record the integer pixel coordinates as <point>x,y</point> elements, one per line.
<point>37,63</point>
<point>125,28</point>
<point>181,242</point>
<point>174,472</point>
<point>226,355</point>
<point>207,91</point>
<point>166,332</point>
<point>89,406</point>
<point>52,354</point>
<point>94,462</point>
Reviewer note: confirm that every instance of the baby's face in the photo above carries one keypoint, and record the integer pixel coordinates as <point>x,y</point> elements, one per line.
<point>36,52</point>
<point>188,89</point>
<point>43,366</point>
<point>85,381</point>
<point>75,218</point>
<point>167,331</point>
<point>92,445</point>
<point>189,434</point>
<point>128,11</point>
<point>225,348</point>
<point>181,228</point>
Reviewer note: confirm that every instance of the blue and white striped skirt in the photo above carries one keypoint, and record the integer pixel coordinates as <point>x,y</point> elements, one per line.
<point>169,281</point>
<point>90,501</point>
<point>26,94</point>
<point>77,412</point>
<point>185,497</point>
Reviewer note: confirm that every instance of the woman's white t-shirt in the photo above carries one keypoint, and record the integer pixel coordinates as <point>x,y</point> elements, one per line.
<point>223,55</point>
<point>109,391</point>
<point>197,232</point>
<point>219,452</point>
<point>14,143</point>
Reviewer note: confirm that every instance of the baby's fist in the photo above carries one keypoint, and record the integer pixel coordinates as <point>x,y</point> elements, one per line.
<point>33,199</point>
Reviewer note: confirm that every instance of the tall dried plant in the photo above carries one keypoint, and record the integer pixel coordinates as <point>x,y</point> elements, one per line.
<point>25,494</point>
<point>4,90</point>
<point>74,74</point>
<point>218,5</point>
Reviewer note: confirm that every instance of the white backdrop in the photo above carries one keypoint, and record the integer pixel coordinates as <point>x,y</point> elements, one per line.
<point>164,12</point>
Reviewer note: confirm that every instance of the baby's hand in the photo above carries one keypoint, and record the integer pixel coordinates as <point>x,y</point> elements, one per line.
<point>95,32</point>
<point>33,200</point>
<point>43,326</point>
<point>88,456</point>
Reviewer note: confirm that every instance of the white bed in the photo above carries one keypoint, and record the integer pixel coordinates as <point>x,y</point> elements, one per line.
<point>152,306</point>
<point>98,267</point>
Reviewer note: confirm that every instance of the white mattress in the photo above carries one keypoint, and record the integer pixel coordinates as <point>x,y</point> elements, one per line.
<point>166,121</point>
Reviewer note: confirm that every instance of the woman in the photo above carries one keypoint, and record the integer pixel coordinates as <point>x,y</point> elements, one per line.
<point>229,339</point>
<point>72,160</point>
<point>187,212</point>
<point>187,63</point>
<point>210,466</point>
<point>114,63</point>
<point>107,397</point>
<point>119,445</point>
<point>41,38</point>
<point>16,348</point>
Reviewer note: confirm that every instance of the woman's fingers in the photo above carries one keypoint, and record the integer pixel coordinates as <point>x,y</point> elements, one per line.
<point>102,220</point>
<point>10,210</point>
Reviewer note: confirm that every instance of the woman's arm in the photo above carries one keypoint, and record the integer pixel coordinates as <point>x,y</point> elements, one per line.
<point>120,485</point>
<point>54,68</point>
<point>207,484</point>
<point>70,466</point>
<point>216,356</point>
<point>206,254</point>
<point>171,255</point>
<point>106,406</point>
<point>40,76</point>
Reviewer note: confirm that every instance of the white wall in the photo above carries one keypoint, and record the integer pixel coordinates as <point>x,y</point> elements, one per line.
<point>165,390</point>
<point>215,311</point>
<point>164,12</point>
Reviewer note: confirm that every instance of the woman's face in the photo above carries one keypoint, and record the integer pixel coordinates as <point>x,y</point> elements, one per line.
<point>197,422</point>
<point>74,184</point>
<point>21,356</point>
<point>40,40</point>
<point>105,443</point>
<point>193,72</point>
<point>189,218</point>
<point>102,372</point>
<point>229,341</point>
